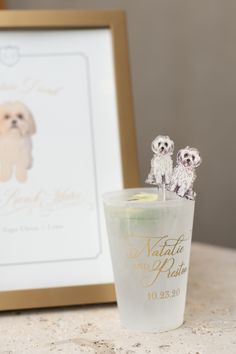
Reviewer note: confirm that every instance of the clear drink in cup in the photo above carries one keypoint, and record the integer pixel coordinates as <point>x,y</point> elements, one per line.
<point>150,242</point>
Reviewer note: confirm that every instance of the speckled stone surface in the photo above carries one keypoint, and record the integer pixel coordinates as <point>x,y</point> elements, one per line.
<point>209,327</point>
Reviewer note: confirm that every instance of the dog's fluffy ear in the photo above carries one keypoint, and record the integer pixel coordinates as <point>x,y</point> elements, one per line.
<point>198,160</point>
<point>172,146</point>
<point>32,125</point>
<point>2,112</point>
<point>30,118</point>
<point>179,157</point>
<point>154,149</point>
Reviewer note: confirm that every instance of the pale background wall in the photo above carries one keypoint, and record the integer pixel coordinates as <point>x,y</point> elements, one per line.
<point>183,59</point>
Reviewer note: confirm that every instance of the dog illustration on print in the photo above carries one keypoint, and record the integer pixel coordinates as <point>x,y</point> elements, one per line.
<point>17,125</point>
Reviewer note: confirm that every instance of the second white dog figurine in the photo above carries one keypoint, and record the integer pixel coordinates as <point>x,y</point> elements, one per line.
<point>184,173</point>
<point>16,127</point>
<point>161,163</point>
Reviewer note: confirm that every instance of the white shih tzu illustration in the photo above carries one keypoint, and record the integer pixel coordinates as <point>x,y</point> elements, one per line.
<point>161,163</point>
<point>16,127</point>
<point>184,173</point>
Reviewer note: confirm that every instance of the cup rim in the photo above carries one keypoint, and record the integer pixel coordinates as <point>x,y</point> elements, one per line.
<point>109,198</point>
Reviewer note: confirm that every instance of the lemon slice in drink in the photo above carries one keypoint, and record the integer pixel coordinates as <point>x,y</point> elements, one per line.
<point>143,197</point>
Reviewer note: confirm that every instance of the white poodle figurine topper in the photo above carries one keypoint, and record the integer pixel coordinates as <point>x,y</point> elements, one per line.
<point>161,163</point>
<point>184,173</point>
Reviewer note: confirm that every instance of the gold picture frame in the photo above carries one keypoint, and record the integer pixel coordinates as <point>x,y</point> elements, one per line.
<point>115,21</point>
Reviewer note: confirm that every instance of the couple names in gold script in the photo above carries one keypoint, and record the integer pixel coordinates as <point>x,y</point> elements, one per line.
<point>157,255</point>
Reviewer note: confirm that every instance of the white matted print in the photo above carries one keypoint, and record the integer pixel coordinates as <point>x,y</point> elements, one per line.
<point>60,151</point>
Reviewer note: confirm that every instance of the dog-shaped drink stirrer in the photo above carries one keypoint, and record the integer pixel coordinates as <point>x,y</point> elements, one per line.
<point>161,163</point>
<point>181,179</point>
<point>184,173</point>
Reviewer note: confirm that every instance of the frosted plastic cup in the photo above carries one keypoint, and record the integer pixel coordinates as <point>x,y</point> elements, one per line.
<point>150,250</point>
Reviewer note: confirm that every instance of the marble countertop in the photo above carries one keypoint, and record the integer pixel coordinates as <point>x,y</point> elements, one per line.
<point>209,327</point>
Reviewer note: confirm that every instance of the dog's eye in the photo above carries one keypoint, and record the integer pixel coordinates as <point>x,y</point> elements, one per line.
<point>7,116</point>
<point>186,155</point>
<point>159,144</point>
<point>193,157</point>
<point>20,116</point>
<point>166,144</point>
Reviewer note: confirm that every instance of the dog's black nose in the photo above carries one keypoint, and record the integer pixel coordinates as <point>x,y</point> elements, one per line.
<point>14,121</point>
<point>188,160</point>
<point>162,148</point>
